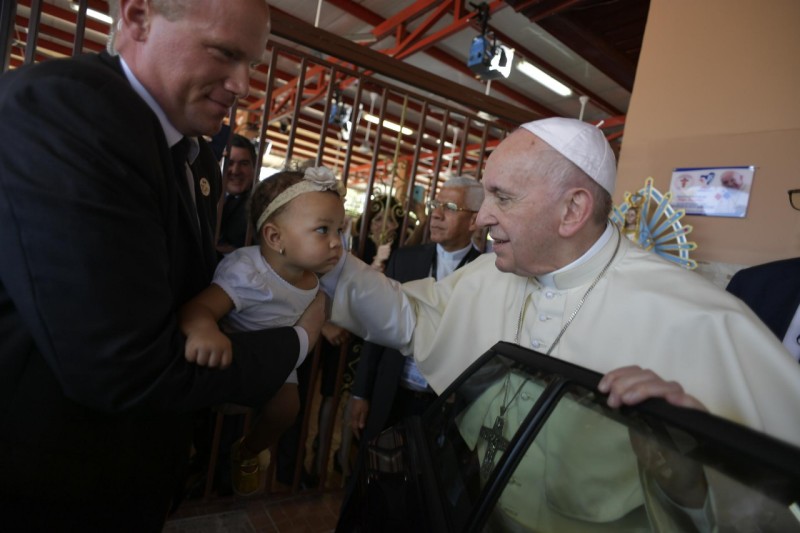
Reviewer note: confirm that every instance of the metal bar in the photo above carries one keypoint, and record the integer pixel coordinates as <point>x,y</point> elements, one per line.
<point>363,234</point>
<point>33,31</point>
<point>437,166</point>
<point>412,171</point>
<point>326,114</point>
<point>298,104</point>
<point>8,11</point>
<point>482,153</point>
<point>462,154</point>
<point>80,28</point>
<point>353,131</point>
<point>265,110</point>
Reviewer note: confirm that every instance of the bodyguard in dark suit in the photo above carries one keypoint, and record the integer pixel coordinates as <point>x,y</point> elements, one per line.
<point>388,386</point>
<point>103,237</point>
<point>772,291</point>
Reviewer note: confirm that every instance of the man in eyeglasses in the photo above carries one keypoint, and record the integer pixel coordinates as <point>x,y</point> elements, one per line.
<point>401,389</point>
<point>772,291</point>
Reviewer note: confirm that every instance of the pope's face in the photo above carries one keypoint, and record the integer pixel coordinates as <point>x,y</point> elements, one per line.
<point>198,65</point>
<point>520,207</point>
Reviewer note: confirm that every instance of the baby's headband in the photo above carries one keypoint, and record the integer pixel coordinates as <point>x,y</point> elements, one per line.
<point>315,179</point>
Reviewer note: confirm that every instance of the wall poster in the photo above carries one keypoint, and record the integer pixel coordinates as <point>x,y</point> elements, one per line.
<point>712,191</point>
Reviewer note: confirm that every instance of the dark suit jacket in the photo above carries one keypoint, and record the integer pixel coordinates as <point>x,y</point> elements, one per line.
<point>379,369</point>
<point>772,291</point>
<point>233,223</point>
<point>99,252</point>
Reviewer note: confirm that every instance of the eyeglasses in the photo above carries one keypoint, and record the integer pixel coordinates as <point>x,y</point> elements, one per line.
<point>447,206</point>
<point>794,198</point>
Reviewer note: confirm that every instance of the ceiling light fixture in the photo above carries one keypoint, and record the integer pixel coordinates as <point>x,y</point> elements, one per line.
<point>386,124</point>
<point>91,13</point>
<point>544,78</point>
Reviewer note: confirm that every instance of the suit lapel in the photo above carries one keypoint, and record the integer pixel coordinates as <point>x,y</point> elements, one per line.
<point>207,198</point>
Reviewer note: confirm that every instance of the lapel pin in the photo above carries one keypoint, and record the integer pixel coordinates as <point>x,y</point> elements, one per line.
<point>205,187</point>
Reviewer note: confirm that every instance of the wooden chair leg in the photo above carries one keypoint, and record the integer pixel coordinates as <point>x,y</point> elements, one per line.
<point>212,461</point>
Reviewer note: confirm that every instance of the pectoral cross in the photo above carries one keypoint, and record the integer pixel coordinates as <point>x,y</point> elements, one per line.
<point>495,442</point>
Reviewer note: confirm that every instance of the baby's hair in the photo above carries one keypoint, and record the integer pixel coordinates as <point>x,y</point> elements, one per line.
<point>268,190</point>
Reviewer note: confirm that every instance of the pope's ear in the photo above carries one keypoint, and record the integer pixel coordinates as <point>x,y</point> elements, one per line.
<point>576,211</point>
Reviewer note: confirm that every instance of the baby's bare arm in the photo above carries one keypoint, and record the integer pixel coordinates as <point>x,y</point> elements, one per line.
<point>206,345</point>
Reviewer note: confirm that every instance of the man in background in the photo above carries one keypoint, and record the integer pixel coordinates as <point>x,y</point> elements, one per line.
<point>772,291</point>
<point>238,183</point>
<point>389,386</point>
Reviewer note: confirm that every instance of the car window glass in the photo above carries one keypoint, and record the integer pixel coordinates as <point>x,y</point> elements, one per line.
<point>464,436</point>
<point>591,468</point>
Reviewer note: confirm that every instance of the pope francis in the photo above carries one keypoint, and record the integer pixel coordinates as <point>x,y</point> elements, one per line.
<point>562,281</point>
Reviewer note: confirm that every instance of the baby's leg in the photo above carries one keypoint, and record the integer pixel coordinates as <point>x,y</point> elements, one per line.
<point>278,414</point>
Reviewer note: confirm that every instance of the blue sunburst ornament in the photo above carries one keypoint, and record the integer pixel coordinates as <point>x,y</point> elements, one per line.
<point>647,219</point>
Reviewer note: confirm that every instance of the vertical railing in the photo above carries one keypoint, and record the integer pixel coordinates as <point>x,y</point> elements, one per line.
<point>33,31</point>
<point>8,11</point>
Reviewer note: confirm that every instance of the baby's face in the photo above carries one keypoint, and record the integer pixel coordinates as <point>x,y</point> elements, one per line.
<point>312,224</point>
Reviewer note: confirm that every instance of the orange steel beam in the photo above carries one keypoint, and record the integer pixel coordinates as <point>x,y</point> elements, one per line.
<point>458,24</point>
<point>415,10</point>
<point>461,21</point>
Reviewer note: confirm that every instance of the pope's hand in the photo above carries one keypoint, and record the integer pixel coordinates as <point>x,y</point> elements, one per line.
<point>682,479</point>
<point>630,385</point>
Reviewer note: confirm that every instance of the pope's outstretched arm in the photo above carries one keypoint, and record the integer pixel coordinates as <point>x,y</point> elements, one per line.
<point>369,304</point>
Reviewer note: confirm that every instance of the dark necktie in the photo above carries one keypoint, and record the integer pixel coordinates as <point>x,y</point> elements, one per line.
<point>180,153</point>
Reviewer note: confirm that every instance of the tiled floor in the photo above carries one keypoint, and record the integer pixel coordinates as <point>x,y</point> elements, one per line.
<point>307,512</point>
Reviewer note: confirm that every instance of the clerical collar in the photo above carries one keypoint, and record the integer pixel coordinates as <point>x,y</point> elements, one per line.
<point>457,256</point>
<point>170,132</point>
<point>549,280</point>
<point>446,262</point>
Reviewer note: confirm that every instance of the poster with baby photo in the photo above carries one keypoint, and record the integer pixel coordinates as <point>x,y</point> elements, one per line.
<point>712,191</point>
